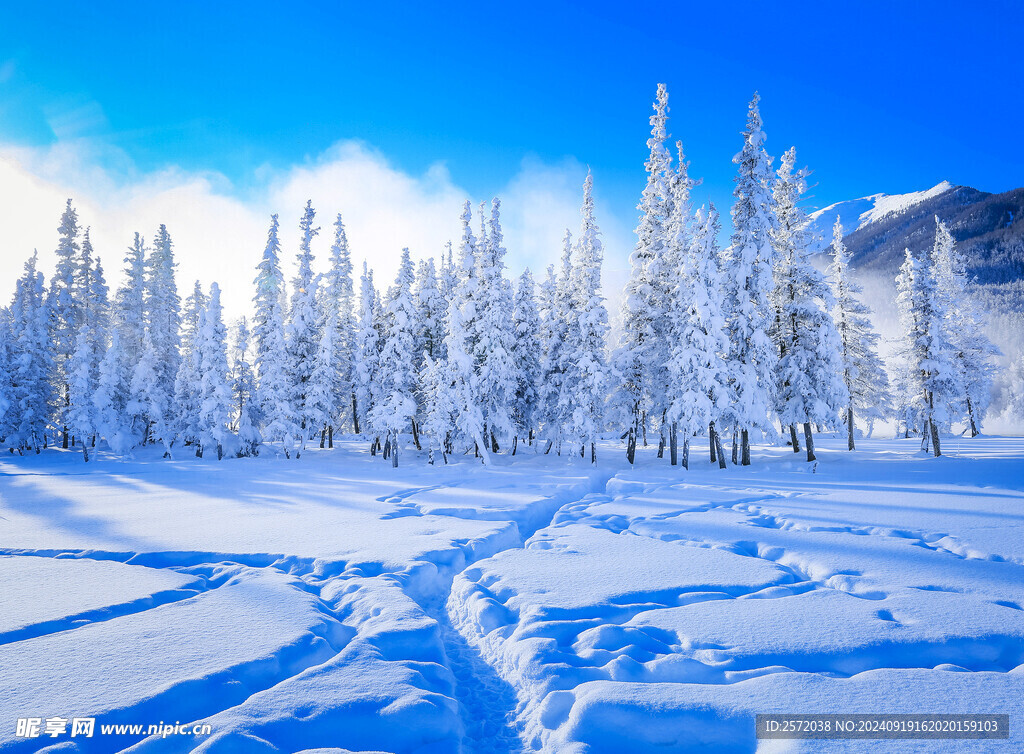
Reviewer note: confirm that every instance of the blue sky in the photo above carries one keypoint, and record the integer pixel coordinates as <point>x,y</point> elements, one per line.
<point>878,97</point>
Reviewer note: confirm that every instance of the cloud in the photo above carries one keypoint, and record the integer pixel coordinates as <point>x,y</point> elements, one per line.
<point>219,234</point>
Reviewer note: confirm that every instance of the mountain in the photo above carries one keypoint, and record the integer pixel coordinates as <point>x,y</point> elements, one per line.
<point>988,228</point>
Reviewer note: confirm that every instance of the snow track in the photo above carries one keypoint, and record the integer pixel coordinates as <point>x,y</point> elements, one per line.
<point>531,606</point>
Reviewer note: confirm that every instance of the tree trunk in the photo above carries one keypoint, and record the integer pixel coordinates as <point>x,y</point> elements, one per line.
<point>199,450</point>
<point>416,435</point>
<point>631,443</point>
<point>849,428</point>
<point>394,451</point>
<point>323,437</point>
<point>809,438</point>
<point>661,443</point>
<point>735,439</point>
<point>686,452</point>
<point>935,439</point>
<point>330,436</point>
<point>593,452</point>
<point>548,449</point>
<point>794,439</point>
<point>515,444</point>
<point>387,446</point>
<point>745,450</point>
<point>711,441</point>
<point>494,443</point>
<point>220,452</point>
<point>85,451</point>
<point>643,427</point>
<point>674,444</point>
<point>718,450</point>
<point>373,447</point>
<point>970,414</point>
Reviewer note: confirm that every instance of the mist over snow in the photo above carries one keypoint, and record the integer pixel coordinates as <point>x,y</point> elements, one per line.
<point>219,229</point>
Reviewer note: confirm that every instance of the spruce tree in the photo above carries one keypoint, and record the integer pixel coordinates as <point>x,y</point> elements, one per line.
<point>215,392</point>
<point>526,356</point>
<point>397,377</point>
<point>65,314</point>
<point>966,326</point>
<point>81,388</point>
<point>110,400</point>
<point>748,263</point>
<point>243,390</point>
<point>863,371</point>
<point>302,336</point>
<point>274,393</point>
<point>809,387</point>
<point>640,357</point>
<point>336,306</point>
<point>31,359</point>
<point>163,317</point>
<point>187,390</point>
<point>366,354</point>
<point>129,302</point>
<point>587,373</point>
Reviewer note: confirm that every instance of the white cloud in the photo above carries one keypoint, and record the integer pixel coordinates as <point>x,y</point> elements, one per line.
<point>219,236</point>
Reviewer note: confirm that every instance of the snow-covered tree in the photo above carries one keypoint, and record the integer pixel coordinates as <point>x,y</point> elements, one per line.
<point>641,355</point>
<point>492,337</point>
<point>396,374</point>
<point>1013,409</point>
<point>432,308</point>
<point>748,263</point>
<point>965,324</point>
<point>243,390</point>
<point>558,338</point>
<point>215,392</point>
<point>526,356</point>
<point>129,303</point>
<point>302,336</point>
<point>274,394</point>
<point>461,344</point>
<point>148,400</point>
<point>698,375</point>
<point>187,390</point>
<point>366,355</point>
<point>809,385</point>
<point>110,401</point>
<point>863,371</point>
<point>31,359</point>
<point>81,387</point>
<point>163,316</point>
<point>336,305</point>
<point>439,411</point>
<point>587,375</point>
<point>932,377</point>
<point>65,314</point>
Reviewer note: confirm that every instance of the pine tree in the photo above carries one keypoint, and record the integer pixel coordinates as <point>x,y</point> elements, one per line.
<point>748,263</point>
<point>397,377</point>
<point>302,336</point>
<point>110,400</point>
<point>526,356</point>
<point>81,387</point>
<point>461,345</point>
<point>8,414</point>
<point>243,390</point>
<point>698,374</point>
<point>148,400</point>
<point>587,375</point>
<point>863,370</point>
<point>552,337</point>
<point>366,354</point>
<point>187,391</point>
<point>215,392</point>
<point>965,324</point>
<point>31,359</point>
<point>65,314</point>
<point>557,396</point>
<point>494,340</point>
<point>163,317</point>
<point>274,394</point>
<point>809,386</point>
<point>932,376</point>
<point>336,301</point>
<point>641,355</point>
<point>129,302</point>
<point>322,389</point>
<point>439,408</point>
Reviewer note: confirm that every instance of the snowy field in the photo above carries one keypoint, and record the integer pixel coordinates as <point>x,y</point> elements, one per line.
<point>334,603</point>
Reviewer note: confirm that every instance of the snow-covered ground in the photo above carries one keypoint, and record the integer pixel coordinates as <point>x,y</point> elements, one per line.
<point>540,604</point>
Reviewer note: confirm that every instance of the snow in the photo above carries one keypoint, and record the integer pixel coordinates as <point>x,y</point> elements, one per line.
<point>854,214</point>
<point>337,604</point>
